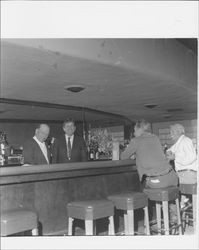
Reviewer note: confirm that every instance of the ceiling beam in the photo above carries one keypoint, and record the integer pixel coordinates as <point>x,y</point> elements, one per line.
<point>61,106</point>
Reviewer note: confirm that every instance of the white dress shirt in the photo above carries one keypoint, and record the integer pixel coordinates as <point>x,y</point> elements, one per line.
<point>71,140</point>
<point>185,154</point>
<point>43,148</point>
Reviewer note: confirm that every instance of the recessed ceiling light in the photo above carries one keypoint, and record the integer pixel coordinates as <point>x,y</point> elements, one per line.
<point>150,106</point>
<point>74,88</point>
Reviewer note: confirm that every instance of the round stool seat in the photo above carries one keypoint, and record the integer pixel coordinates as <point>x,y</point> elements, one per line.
<point>188,188</point>
<point>162,194</point>
<point>91,209</point>
<point>18,220</point>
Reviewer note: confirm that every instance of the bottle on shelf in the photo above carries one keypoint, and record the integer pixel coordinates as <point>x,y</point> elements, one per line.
<point>97,155</point>
<point>92,155</point>
<point>4,149</point>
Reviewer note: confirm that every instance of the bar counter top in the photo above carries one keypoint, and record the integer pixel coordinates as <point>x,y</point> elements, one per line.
<point>48,188</point>
<point>18,174</point>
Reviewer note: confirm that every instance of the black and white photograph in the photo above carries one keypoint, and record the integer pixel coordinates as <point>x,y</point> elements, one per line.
<point>98,125</point>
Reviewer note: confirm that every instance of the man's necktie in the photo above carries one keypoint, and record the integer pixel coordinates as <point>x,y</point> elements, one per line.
<point>69,148</point>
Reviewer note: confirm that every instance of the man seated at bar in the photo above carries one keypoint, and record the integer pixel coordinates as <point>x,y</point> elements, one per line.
<point>35,150</point>
<point>70,147</point>
<point>152,166</point>
<point>184,155</point>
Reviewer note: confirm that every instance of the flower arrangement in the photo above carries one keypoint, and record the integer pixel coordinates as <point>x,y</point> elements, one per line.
<point>100,141</point>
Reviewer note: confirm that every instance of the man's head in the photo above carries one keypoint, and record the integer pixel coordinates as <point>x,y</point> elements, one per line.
<point>140,127</point>
<point>42,132</point>
<point>69,127</point>
<point>176,131</point>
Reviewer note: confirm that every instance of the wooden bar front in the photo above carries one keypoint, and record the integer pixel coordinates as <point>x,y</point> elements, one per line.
<point>48,188</point>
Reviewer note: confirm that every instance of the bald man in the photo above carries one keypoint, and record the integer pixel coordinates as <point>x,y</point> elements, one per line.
<point>35,151</point>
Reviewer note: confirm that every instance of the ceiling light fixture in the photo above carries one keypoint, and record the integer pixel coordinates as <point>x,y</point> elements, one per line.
<point>150,106</point>
<point>74,88</point>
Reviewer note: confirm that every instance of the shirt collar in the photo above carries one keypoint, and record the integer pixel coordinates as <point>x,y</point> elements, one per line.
<point>179,139</point>
<point>71,137</point>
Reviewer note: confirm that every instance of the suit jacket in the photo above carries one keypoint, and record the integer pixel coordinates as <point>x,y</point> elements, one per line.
<point>78,151</point>
<point>32,153</point>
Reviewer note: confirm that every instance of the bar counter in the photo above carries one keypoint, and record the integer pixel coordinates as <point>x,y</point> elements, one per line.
<point>48,188</point>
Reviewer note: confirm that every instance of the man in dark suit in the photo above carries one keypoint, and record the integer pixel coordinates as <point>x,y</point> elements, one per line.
<point>70,147</point>
<point>35,150</point>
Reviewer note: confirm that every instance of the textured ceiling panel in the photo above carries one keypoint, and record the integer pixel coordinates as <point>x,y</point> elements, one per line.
<point>37,74</point>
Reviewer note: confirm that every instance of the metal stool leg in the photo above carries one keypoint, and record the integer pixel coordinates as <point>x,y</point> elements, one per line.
<point>130,218</point>
<point>158,215</point>
<point>183,221</point>
<point>94,227</point>
<point>111,229</point>
<point>146,221</point>
<point>89,227</point>
<point>178,215</point>
<point>35,232</point>
<point>70,225</point>
<point>194,204</point>
<point>186,219</point>
<point>126,231</point>
<point>166,216</point>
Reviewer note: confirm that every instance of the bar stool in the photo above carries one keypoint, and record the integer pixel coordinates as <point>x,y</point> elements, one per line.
<point>164,196</point>
<point>89,211</point>
<point>190,189</point>
<point>129,202</point>
<point>18,220</point>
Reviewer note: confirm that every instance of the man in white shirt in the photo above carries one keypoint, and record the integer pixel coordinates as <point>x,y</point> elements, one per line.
<point>35,150</point>
<point>184,155</point>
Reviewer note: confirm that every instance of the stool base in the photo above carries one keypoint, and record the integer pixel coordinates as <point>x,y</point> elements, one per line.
<point>90,211</point>
<point>90,226</point>
<point>164,226</point>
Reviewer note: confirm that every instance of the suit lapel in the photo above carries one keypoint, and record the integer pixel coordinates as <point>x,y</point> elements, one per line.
<point>74,145</point>
<point>40,152</point>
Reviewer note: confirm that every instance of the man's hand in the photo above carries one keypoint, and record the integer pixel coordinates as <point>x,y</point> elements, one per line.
<point>169,155</point>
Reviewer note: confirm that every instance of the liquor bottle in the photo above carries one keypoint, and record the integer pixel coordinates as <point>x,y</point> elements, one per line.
<point>97,155</point>
<point>92,155</point>
<point>4,149</point>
